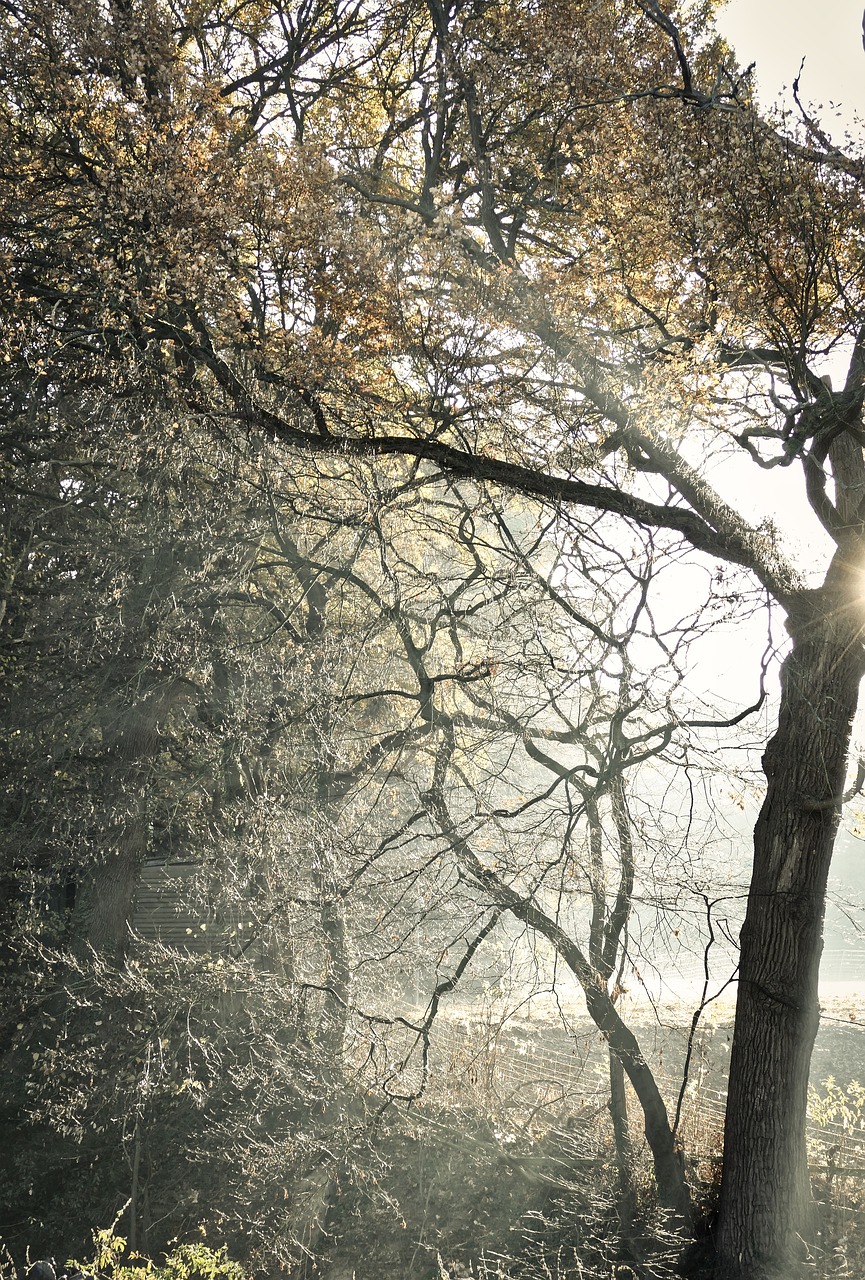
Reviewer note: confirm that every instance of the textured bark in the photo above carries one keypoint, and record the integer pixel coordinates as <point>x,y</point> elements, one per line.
<point>765,1197</point>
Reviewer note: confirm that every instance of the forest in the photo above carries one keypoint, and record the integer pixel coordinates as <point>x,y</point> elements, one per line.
<point>432,592</point>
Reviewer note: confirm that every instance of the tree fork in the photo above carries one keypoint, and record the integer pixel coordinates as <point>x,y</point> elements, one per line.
<point>666,1156</point>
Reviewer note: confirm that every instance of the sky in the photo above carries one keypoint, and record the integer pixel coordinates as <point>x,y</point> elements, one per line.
<point>777,34</point>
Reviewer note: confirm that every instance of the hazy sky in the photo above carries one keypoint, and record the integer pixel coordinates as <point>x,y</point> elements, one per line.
<point>777,34</point>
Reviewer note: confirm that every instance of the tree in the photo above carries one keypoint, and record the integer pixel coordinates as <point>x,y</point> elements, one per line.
<point>321,662</point>
<point>514,734</point>
<point>134,585</point>
<point>559,724</point>
<point>550,248</point>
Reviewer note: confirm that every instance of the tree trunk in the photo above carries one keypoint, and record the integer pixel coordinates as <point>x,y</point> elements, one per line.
<point>624,1148</point>
<point>337,966</point>
<point>666,1156</point>
<point>765,1196</point>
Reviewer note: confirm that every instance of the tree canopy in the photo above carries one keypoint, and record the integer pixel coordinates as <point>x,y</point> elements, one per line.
<point>343,340</point>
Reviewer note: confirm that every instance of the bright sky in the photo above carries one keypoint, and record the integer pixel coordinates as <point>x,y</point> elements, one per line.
<point>777,34</point>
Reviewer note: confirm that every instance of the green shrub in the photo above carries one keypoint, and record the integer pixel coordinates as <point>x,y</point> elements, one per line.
<point>195,1261</point>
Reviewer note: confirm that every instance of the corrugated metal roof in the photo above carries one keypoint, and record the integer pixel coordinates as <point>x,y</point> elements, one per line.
<point>165,913</point>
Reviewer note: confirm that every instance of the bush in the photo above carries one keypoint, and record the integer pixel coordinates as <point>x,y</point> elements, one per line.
<point>184,1262</point>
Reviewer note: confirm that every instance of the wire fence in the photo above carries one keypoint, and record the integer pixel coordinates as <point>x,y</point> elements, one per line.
<point>525,1073</point>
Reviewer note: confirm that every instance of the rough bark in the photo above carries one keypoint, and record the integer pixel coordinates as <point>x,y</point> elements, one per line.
<point>765,1199</point>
